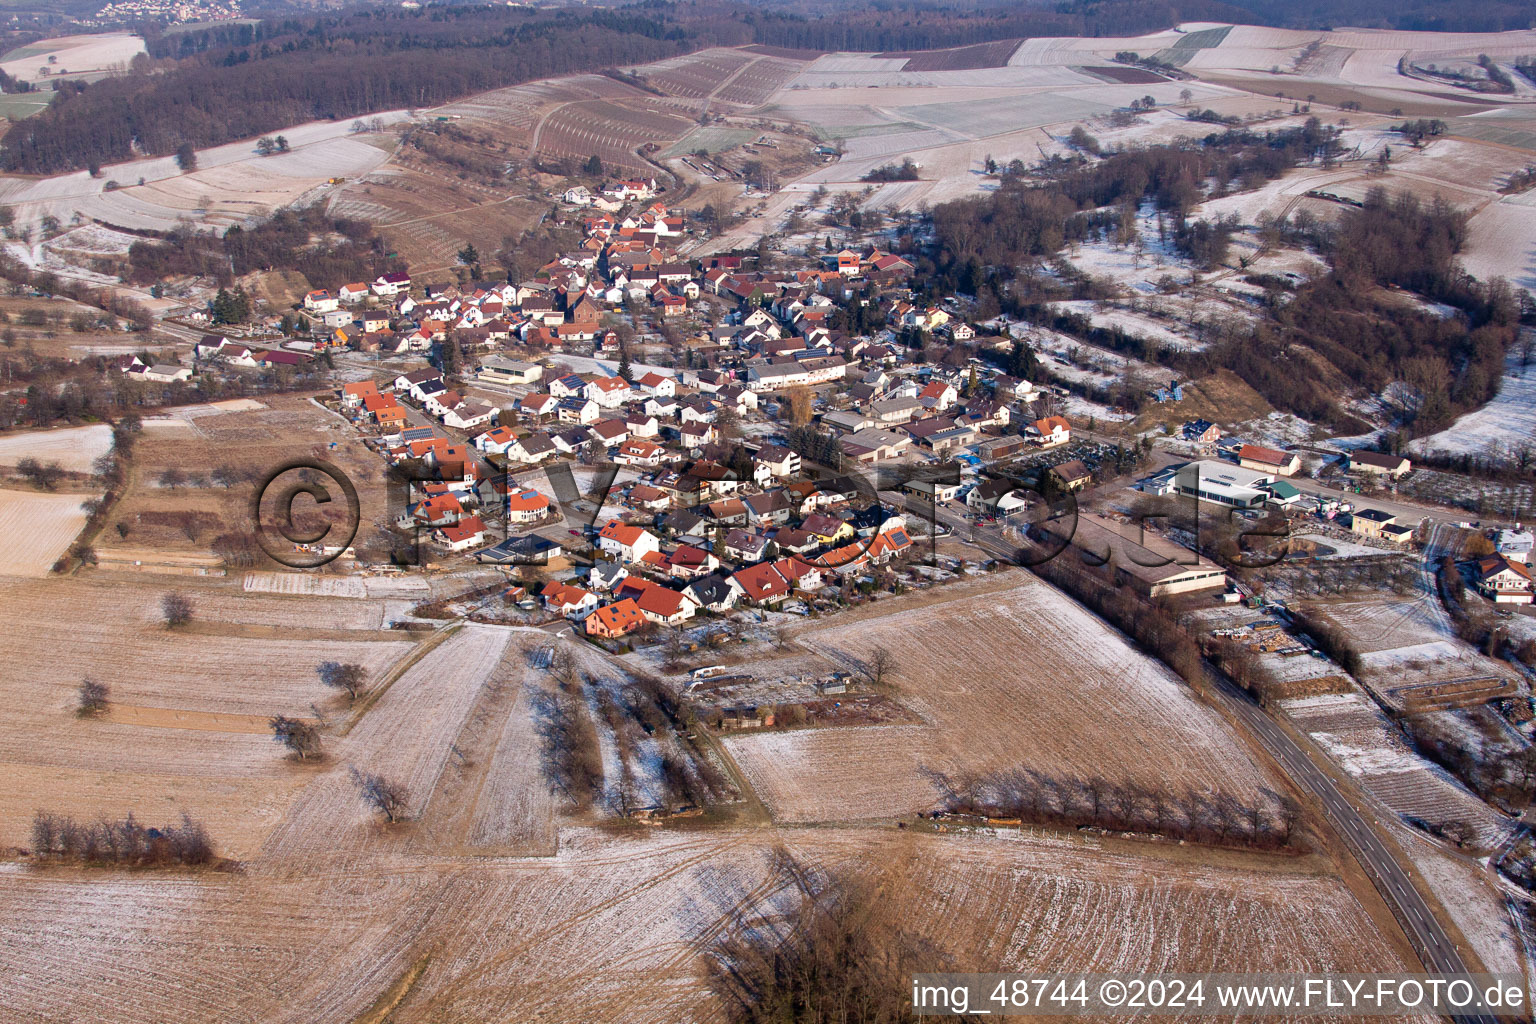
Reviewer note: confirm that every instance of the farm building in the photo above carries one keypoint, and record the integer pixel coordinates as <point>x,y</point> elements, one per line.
<point>1268,460</point>
<point>1378,465</point>
<point>500,370</point>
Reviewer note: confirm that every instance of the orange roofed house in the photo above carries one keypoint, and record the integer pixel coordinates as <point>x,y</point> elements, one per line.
<point>617,619</point>
<point>627,543</point>
<point>1051,431</point>
<point>569,601</point>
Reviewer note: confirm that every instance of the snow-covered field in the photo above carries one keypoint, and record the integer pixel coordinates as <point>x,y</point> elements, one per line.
<point>1354,732</point>
<point>1050,689</point>
<point>73,448</point>
<point>36,530</point>
<point>357,587</point>
<point>1508,420</point>
<point>72,56</point>
<point>232,183</point>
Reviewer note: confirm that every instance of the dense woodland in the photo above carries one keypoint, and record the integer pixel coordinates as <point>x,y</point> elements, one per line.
<point>347,250</point>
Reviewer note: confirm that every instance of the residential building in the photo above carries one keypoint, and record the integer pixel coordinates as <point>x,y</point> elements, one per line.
<point>467,533</point>
<point>567,600</point>
<point>526,505</point>
<point>1504,581</point>
<point>626,543</point>
<point>1375,464</point>
<point>1050,431</point>
<point>1368,522</point>
<point>614,620</point>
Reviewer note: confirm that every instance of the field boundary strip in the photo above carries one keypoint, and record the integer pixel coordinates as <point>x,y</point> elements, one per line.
<point>402,666</point>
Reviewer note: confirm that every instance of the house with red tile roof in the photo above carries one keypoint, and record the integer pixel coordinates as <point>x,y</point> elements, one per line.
<point>567,600</point>
<point>761,584</point>
<point>626,543</point>
<point>461,536</point>
<point>614,620</point>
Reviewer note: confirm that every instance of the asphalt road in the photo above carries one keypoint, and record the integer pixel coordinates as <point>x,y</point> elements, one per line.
<point>1300,761</point>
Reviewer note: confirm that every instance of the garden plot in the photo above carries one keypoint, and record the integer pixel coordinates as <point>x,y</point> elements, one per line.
<point>358,587</point>
<point>1504,423</point>
<point>1355,733</point>
<point>755,84</point>
<point>1001,115</point>
<point>713,139</point>
<point>407,736</point>
<point>73,448</point>
<point>614,928</point>
<point>610,933</point>
<point>1386,623</point>
<point>1049,690</point>
<point>514,808</point>
<point>605,128</point>
<point>1149,328</point>
<point>37,530</point>
<point>697,75</point>
<point>187,723</point>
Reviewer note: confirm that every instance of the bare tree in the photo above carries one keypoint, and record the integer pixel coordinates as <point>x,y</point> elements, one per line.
<point>880,664</point>
<point>386,796</point>
<point>93,697</point>
<point>45,474</point>
<point>562,665</point>
<point>177,609</point>
<point>351,677</point>
<point>674,643</point>
<point>298,735</point>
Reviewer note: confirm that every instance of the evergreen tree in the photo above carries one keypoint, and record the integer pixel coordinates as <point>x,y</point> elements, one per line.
<point>624,369</point>
<point>593,166</point>
<point>1022,362</point>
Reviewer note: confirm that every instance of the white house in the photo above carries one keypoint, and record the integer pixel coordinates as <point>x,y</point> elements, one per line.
<point>389,285</point>
<point>495,441</point>
<point>165,373</point>
<point>467,533</point>
<point>609,392</point>
<point>657,386</point>
<point>626,543</point>
<point>320,301</point>
<point>469,414</point>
